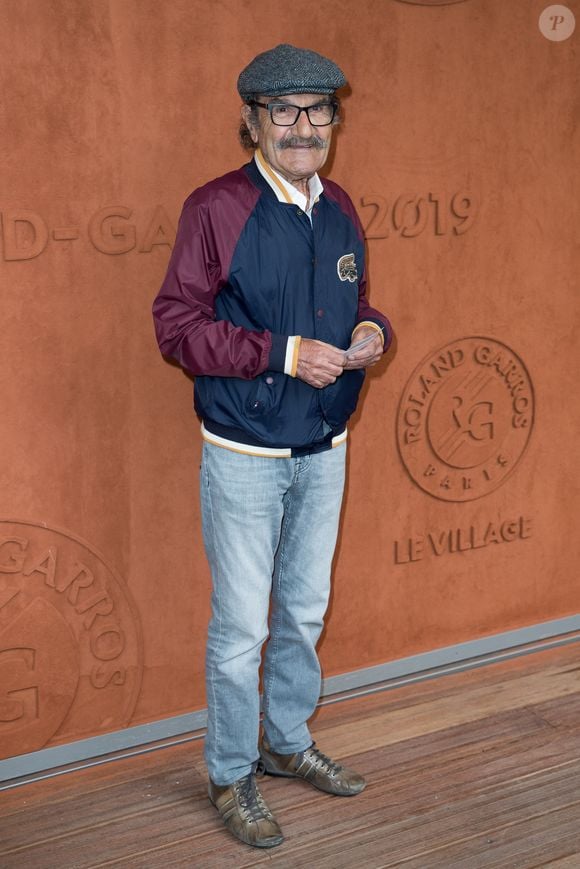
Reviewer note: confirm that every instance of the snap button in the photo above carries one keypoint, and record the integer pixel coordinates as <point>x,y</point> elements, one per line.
<point>320,313</point>
<point>269,381</point>
<point>298,212</point>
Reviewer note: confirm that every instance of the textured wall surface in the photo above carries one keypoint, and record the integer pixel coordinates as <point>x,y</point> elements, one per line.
<point>460,148</point>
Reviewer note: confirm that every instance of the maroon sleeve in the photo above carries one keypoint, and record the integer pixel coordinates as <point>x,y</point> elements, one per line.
<point>365,311</point>
<point>184,312</point>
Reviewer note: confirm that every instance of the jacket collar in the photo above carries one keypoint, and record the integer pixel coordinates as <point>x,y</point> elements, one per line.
<point>283,190</point>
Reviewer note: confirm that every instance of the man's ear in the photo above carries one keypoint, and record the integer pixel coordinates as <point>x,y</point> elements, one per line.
<point>246,113</point>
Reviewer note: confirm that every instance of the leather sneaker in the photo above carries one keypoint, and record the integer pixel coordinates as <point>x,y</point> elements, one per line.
<point>245,812</point>
<point>314,767</point>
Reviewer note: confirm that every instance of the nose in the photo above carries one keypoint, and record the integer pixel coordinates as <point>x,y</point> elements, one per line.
<point>303,125</point>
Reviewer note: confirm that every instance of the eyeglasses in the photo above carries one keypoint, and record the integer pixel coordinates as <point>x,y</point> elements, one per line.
<point>286,115</point>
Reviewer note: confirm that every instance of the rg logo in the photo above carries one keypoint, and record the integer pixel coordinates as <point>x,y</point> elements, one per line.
<point>475,423</point>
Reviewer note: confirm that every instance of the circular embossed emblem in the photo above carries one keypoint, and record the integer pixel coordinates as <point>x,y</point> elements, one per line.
<point>465,418</point>
<point>71,653</point>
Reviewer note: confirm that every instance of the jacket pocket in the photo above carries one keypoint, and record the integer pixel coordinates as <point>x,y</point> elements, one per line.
<point>264,395</point>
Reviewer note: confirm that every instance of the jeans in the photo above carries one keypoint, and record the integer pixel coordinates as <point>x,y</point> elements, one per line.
<point>270,528</point>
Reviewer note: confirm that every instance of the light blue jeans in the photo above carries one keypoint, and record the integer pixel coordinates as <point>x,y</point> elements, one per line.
<point>270,527</point>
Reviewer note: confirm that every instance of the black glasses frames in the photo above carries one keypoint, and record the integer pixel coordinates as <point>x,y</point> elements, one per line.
<point>287,114</point>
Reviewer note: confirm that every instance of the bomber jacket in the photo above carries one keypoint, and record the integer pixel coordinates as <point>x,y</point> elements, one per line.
<point>250,275</point>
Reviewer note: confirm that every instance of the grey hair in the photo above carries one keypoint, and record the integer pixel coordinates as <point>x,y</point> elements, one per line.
<point>246,140</point>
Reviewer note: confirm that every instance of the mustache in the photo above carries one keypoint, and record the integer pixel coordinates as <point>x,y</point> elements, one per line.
<point>301,142</point>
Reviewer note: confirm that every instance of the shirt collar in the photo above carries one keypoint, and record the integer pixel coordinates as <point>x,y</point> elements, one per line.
<point>286,192</point>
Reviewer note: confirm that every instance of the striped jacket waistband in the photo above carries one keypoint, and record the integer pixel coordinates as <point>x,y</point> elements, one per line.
<point>211,433</point>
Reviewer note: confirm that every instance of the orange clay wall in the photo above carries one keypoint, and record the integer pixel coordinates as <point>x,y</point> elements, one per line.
<point>460,149</point>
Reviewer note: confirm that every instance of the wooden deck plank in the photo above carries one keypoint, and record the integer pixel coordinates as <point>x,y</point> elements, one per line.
<point>570,861</point>
<point>385,726</point>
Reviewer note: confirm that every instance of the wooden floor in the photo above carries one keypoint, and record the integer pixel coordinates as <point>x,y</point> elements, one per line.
<point>480,769</point>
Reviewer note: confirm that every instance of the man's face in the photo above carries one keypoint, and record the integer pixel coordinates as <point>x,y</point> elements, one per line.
<point>297,151</point>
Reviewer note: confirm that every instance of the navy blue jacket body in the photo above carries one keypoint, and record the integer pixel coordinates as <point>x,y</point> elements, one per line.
<point>248,272</point>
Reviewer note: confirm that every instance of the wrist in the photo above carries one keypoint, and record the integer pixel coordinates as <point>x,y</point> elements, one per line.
<point>369,324</point>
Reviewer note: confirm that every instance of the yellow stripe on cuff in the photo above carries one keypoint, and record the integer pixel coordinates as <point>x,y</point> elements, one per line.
<point>294,367</point>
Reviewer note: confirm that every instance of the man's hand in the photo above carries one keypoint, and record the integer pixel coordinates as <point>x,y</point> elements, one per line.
<point>366,356</point>
<point>318,363</point>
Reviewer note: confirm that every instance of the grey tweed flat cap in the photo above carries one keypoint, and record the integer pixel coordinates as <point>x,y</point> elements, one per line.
<point>289,70</point>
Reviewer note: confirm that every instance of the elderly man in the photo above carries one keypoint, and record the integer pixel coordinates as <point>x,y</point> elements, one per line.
<point>264,302</point>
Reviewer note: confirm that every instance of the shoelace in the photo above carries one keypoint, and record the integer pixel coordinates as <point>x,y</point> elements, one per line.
<point>251,800</point>
<point>322,760</point>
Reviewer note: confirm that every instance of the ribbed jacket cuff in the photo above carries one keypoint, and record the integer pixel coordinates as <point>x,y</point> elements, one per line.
<point>277,358</point>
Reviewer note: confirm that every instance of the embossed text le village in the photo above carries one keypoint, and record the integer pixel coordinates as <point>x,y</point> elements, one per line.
<point>451,540</point>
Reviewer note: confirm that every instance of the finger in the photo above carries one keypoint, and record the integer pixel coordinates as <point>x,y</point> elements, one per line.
<point>360,361</point>
<point>365,353</point>
<point>327,370</point>
<point>322,347</point>
<point>326,364</point>
<point>333,353</point>
<point>336,359</point>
